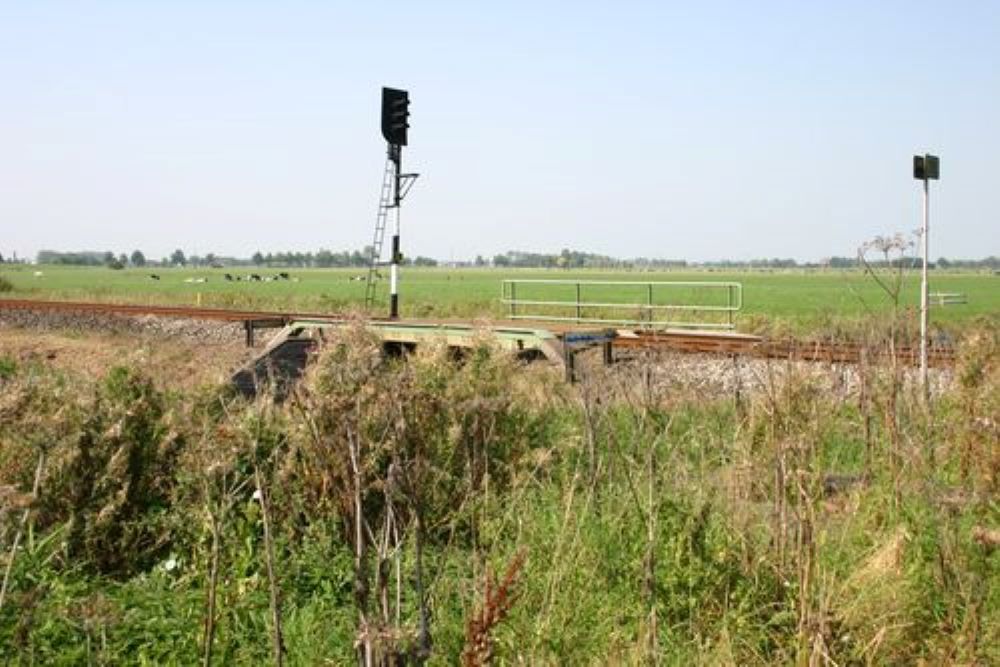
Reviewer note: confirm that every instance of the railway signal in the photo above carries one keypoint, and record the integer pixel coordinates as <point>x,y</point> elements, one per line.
<point>395,115</point>
<point>395,185</point>
<point>926,168</point>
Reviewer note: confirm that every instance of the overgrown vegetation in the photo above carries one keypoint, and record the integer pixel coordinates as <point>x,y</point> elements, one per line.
<point>436,510</point>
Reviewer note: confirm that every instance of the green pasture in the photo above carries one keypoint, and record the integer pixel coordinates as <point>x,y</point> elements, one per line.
<point>800,299</point>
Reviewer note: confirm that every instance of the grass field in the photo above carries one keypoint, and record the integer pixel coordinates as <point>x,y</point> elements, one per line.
<point>799,299</point>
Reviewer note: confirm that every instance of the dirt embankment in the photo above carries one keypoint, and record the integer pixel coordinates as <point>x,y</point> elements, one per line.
<point>179,352</point>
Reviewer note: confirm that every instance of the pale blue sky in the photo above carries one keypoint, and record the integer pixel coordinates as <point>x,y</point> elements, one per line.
<point>695,130</point>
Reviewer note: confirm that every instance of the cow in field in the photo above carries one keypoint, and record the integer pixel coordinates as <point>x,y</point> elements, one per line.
<point>154,276</point>
<point>229,277</point>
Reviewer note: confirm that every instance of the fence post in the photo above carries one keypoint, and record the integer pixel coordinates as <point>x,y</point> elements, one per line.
<point>729,306</point>
<point>649,302</point>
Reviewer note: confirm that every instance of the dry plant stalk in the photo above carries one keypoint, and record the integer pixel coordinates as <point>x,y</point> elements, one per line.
<point>498,599</point>
<point>277,637</point>
<point>217,509</point>
<point>20,529</point>
<point>893,251</point>
<point>208,639</point>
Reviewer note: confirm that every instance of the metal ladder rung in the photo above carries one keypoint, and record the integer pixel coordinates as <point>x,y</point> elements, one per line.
<point>378,240</point>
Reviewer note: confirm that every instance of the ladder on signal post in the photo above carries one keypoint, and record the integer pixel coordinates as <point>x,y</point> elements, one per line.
<point>386,201</point>
<point>394,188</point>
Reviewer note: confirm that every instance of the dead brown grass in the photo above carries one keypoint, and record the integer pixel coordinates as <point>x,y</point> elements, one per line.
<point>177,364</point>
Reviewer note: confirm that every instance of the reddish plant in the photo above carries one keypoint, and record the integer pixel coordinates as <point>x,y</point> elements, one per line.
<point>498,599</point>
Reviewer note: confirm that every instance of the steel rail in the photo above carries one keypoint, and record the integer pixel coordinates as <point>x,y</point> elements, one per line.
<point>185,312</point>
<point>828,351</point>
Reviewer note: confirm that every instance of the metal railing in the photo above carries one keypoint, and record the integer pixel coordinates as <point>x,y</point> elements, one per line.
<point>645,304</point>
<point>948,298</point>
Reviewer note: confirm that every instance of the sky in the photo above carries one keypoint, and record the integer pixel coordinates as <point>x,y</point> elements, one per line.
<point>692,130</point>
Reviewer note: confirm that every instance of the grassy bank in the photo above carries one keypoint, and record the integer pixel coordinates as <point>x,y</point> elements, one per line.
<point>454,512</point>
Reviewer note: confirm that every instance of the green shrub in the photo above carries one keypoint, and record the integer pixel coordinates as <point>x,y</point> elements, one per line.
<point>8,367</point>
<point>113,480</point>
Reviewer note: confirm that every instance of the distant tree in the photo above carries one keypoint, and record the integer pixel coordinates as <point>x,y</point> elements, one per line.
<point>1,258</point>
<point>480,260</point>
<point>943,263</point>
<point>123,259</point>
<point>257,258</point>
<point>138,259</point>
<point>324,258</point>
<point>178,257</point>
<point>501,260</point>
<point>107,258</point>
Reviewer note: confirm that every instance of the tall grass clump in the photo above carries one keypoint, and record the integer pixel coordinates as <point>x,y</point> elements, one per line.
<point>397,454</point>
<point>112,480</point>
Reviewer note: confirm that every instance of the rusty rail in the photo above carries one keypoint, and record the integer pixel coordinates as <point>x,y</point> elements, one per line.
<point>186,312</point>
<point>804,350</point>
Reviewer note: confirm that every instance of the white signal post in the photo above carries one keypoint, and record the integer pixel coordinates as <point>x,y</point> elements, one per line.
<point>394,270</point>
<point>924,301</point>
<point>395,115</point>
<point>925,168</point>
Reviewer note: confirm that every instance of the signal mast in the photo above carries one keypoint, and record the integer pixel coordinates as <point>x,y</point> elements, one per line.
<point>395,185</point>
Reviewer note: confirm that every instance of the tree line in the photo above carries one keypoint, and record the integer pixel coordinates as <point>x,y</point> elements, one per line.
<point>328,259</point>
<point>565,259</point>
<point>320,259</point>
<point>572,259</point>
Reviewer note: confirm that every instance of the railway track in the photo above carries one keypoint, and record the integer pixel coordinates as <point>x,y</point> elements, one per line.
<point>694,342</point>
<point>186,312</point>
<point>804,350</point>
